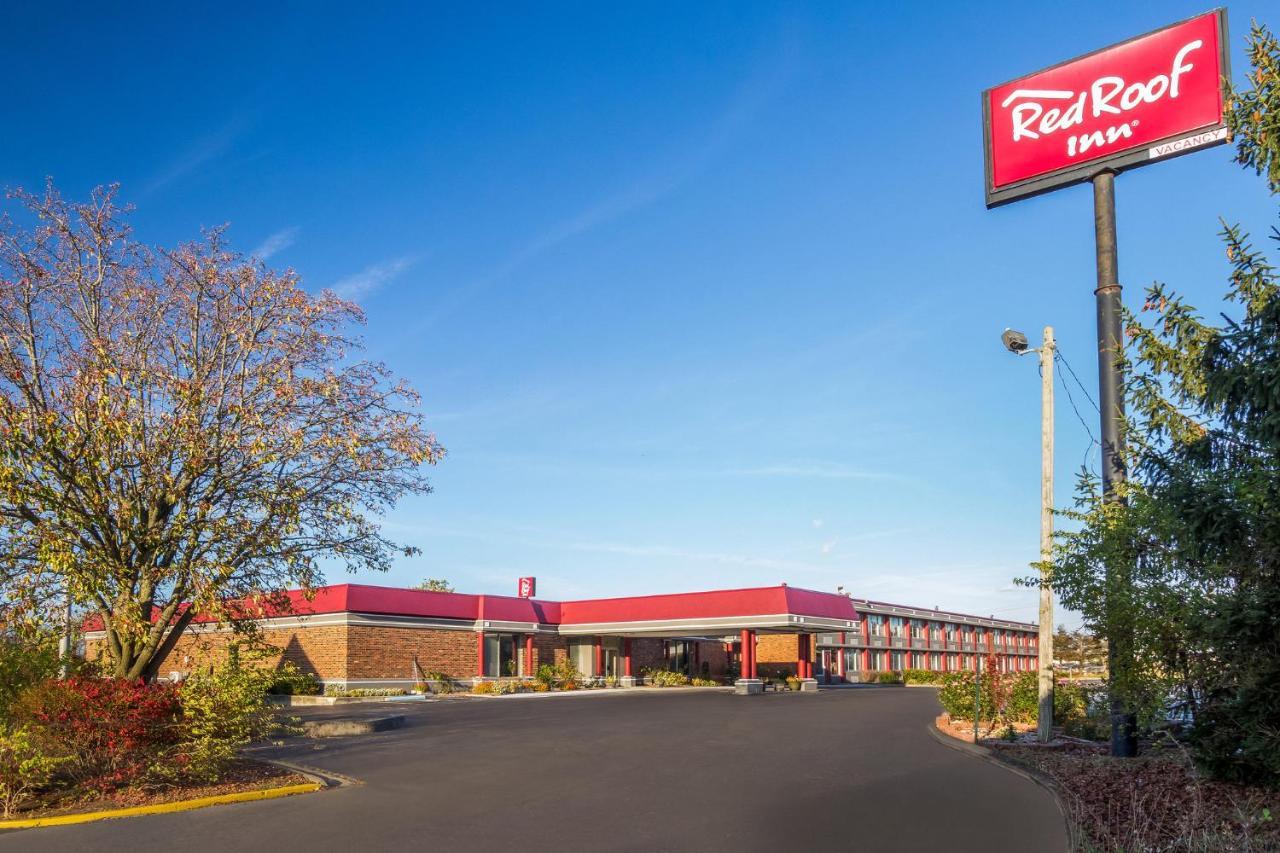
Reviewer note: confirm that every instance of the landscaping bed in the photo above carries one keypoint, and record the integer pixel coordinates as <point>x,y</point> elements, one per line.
<point>240,776</point>
<point>1157,802</point>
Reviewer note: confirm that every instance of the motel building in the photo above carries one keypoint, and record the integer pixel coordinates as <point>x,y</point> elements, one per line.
<point>360,636</point>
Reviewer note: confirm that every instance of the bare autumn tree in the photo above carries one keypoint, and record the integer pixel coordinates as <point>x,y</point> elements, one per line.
<point>181,429</point>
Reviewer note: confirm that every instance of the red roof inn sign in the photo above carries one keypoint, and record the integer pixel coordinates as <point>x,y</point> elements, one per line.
<point>1145,99</point>
<point>1136,102</point>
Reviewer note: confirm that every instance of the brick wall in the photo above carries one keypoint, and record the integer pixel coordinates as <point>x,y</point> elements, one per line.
<point>547,648</point>
<point>714,656</point>
<point>646,653</point>
<point>376,652</point>
<point>321,651</point>
<point>776,654</point>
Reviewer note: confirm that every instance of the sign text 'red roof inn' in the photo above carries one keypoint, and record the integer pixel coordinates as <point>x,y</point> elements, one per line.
<point>1141,100</point>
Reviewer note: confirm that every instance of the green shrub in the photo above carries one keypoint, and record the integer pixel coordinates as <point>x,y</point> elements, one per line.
<point>922,676</point>
<point>704,682</point>
<point>22,665</point>
<point>288,680</point>
<point>1023,704</point>
<point>1069,701</point>
<point>956,696</point>
<point>666,678</point>
<point>363,692</point>
<point>222,711</point>
<point>24,769</point>
<point>484,688</point>
<point>438,682</point>
<point>792,682</point>
<point>565,675</point>
<point>506,687</point>
<point>1012,697</point>
<point>889,678</point>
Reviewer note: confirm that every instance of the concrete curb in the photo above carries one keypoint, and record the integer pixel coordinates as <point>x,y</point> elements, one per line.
<point>349,728</point>
<point>164,808</point>
<point>991,756</point>
<point>324,778</point>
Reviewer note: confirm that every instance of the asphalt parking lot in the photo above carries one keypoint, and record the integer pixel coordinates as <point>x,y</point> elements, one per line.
<point>650,770</point>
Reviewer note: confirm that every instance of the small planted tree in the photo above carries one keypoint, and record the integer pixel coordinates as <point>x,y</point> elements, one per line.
<point>182,428</point>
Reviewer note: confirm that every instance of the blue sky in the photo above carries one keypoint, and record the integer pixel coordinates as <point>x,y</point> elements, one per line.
<point>696,295</point>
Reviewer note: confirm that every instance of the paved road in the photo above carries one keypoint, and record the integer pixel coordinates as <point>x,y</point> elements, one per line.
<point>681,770</point>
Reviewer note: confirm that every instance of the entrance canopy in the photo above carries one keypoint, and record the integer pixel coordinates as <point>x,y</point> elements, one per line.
<point>718,612</point>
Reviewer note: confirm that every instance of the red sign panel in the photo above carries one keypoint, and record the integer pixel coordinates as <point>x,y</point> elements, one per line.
<point>1141,100</point>
<point>527,587</point>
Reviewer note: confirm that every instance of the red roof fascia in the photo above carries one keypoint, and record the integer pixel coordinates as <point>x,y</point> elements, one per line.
<point>828,605</point>
<point>392,601</point>
<point>758,601</point>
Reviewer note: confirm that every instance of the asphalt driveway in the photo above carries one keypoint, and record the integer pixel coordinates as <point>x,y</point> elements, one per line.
<point>675,770</point>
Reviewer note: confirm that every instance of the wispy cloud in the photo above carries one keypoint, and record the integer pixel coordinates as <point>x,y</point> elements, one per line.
<point>203,151</point>
<point>275,243</point>
<point>371,278</point>
<point>766,82</point>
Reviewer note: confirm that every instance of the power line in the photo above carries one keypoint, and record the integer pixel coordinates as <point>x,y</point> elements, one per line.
<point>1093,442</point>
<point>1066,364</point>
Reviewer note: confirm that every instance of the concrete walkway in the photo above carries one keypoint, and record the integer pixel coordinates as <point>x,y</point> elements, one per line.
<point>684,770</point>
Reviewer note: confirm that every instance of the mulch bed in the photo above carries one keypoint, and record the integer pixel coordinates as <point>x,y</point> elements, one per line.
<point>1156,802</point>
<point>243,775</point>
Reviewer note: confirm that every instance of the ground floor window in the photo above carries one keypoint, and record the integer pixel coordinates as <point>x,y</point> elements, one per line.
<point>583,655</point>
<point>917,660</point>
<point>877,661</point>
<point>679,656</point>
<point>500,654</point>
<point>935,661</point>
<point>896,661</point>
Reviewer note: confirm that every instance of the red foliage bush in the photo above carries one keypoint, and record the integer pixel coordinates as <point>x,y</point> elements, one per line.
<point>113,732</point>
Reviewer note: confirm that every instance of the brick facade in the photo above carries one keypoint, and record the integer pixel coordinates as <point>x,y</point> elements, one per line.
<point>376,653</point>
<point>321,650</point>
<point>777,654</point>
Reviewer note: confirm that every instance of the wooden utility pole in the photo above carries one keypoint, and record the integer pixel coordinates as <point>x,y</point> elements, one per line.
<point>1045,718</point>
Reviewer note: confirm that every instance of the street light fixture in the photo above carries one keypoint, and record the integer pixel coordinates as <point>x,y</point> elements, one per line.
<point>1016,343</point>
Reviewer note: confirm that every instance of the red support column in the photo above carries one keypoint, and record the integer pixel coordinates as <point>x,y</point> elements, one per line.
<point>840,662</point>
<point>866,644</point>
<point>744,662</point>
<point>528,654</point>
<point>599,665</point>
<point>626,656</point>
<point>752,652</point>
<point>480,654</point>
